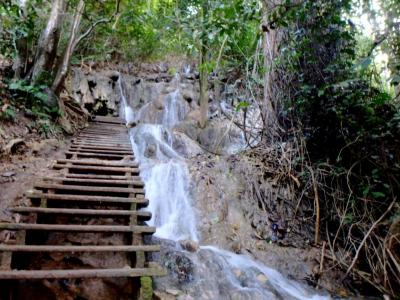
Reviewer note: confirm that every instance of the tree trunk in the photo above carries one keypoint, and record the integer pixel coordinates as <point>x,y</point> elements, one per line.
<point>64,66</point>
<point>272,39</point>
<point>21,45</point>
<point>47,47</point>
<point>203,71</point>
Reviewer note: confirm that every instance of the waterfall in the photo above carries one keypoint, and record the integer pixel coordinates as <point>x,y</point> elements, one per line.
<point>166,178</point>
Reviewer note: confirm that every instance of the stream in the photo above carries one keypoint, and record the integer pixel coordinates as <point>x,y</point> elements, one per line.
<point>217,273</point>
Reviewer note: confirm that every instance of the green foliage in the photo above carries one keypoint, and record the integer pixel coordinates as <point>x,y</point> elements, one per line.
<point>34,98</point>
<point>17,25</point>
<point>7,112</point>
<point>349,121</point>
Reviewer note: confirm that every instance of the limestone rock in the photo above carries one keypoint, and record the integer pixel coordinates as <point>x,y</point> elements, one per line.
<point>189,245</point>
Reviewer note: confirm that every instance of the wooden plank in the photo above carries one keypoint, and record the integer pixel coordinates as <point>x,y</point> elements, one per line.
<point>88,273</point>
<point>78,228</point>
<point>114,138</point>
<point>102,151</point>
<point>101,176</point>
<point>81,188</point>
<point>99,155</point>
<point>135,183</point>
<point>84,198</point>
<point>94,168</point>
<point>111,120</point>
<point>102,142</point>
<point>117,150</point>
<point>98,162</point>
<point>83,212</point>
<point>67,248</point>
<point>109,146</point>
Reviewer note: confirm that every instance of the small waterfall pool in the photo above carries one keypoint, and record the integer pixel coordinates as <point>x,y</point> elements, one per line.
<point>167,179</point>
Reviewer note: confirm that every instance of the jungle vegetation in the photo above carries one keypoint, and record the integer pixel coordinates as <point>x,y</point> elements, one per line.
<point>316,76</point>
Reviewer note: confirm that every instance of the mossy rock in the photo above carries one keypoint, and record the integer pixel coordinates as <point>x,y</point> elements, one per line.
<point>146,288</point>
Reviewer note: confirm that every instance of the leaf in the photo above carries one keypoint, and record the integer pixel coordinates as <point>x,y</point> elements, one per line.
<point>378,195</point>
<point>241,105</point>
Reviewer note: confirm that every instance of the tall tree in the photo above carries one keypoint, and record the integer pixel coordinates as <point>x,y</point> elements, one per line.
<point>47,46</point>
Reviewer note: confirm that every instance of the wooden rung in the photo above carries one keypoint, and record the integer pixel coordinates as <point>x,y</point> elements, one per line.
<point>99,132</point>
<point>102,144</point>
<point>101,176</point>
<point>98,137</point>
<point>60,248</point>
<point>94,168</point>
<point>99,155</point>
<point>97,162</point>
<point>136,183</point>
<point>111,120</point>
<point>106,199</point>
<point>107,143</point>
<point>90,147</point>
<point>97,151</point>
<point>78,228</point>
<point>145,215</point>
<point>81,188</point>
<point>88,273</point>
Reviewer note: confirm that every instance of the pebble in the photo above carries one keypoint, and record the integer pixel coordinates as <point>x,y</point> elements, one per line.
<point>237,272</point>
<point>9,174</point>
<point>173,292</point>
<point>262,278</point>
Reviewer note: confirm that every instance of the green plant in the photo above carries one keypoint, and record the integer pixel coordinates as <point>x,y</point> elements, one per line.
<point>34,98</point>
<point>7,112</point>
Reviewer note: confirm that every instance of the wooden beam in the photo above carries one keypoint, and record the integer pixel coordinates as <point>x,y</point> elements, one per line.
<point>68,248</point>
<point>83,212</point>
<point>135,183</point>
<point>81,188</point>
<point>84,198</point>
<point>98,162</point>
<point>87,273</point>
<point>94,168</point>
<point>78,228</point>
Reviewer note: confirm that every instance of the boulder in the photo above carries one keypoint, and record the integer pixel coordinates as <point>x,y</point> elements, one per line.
<point>189,245</point>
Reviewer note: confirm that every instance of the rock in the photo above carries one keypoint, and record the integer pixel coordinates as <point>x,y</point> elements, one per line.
<point>12,145</point>
<point>189,245</point>
<point>158,295</point>
<point>189,95</point>
<point>236,247</point>
<point>237,272</point>
<point>173,292</point>
<point>131,124</point>
<point>150,151</point>
<point>9,174</point>
<point>180,266</point>
<point>262,278</point>
<point>159,103</point>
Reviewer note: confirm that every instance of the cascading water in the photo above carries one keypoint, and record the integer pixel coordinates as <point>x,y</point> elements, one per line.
<point>166,179</point>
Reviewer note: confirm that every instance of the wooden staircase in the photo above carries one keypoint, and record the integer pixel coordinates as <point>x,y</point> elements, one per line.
<point>98,180</point>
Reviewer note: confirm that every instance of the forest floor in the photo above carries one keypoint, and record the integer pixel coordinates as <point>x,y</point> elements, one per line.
<point>25,156</point>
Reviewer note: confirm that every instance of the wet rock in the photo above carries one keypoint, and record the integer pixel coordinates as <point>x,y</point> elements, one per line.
<point>262,278</point>
<point>9,174</point>
<point>237,272</point>
<point>180,266</point>
<point>236,247</point>
<point>131,124</point>
<point>189,245</point>
<point>173,292</point>
<point>150,151</point>
<point>158,295</point>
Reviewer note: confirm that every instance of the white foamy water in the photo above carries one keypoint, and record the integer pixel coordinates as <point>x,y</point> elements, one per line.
<point>167,181</point>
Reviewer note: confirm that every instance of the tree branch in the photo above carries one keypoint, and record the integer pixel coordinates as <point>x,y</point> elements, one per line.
<point>101,21</point>
<point>367,235</point>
